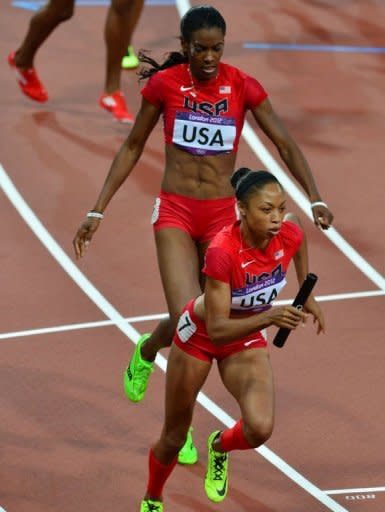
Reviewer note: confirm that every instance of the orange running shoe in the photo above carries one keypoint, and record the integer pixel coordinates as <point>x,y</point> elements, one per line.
<point>116,104</point>
<point>28,81</point>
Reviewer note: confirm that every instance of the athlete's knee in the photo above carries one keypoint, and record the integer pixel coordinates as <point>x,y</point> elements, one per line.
<point>258,430</point>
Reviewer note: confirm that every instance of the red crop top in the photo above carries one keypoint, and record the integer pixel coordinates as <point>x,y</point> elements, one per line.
<point>203,118</point>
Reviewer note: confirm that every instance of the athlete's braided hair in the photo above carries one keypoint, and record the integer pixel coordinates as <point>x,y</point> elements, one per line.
<point>196,18</point>
<point>245,182</point>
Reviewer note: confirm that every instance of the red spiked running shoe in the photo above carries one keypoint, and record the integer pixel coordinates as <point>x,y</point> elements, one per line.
<point>116,104</point>
<point>28,81</point>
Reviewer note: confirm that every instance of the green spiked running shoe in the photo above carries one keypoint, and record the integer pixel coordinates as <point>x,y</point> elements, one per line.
<point>130,60</point>
<point>188,454</point>
<point>137,373</point>
<point>151,506</point>
<point>216,481</point>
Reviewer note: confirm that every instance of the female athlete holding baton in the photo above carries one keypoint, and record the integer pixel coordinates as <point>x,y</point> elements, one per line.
<point>245,267</point>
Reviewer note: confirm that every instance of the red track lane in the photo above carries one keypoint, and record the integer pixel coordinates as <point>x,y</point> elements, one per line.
<point>70,441</point>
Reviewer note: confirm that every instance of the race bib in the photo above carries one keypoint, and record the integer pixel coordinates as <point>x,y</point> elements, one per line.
<point>202,134</point>
<point>257,297</point>
<point>186,327</point>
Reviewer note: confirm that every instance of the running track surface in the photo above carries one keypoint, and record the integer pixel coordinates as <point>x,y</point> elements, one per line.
<point>70,441</point>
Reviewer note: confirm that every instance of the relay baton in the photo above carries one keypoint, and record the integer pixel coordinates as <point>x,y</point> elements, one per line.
<point>299,302</point>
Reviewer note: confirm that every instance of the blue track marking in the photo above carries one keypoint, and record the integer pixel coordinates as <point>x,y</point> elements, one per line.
<point>313,48</point>
<point>34,5</point>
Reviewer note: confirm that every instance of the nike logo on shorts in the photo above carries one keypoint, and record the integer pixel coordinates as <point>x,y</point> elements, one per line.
<point>247,343</point>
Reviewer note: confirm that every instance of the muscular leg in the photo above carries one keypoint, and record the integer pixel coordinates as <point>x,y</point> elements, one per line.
<point>122,17</point>
<point>40,27</point>
<point>248,377</point>
<point>179,269</point>
<point>185,377</point>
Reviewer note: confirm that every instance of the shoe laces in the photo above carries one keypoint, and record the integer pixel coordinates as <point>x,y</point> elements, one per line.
<point>219,461</point>
<point>153,507</point>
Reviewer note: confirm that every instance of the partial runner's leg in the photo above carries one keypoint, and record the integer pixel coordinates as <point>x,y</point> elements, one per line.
<point>122,18</point>
<point>249,378</point>
<point>42,24</point>
<point>179,268</point>
<point>185,377</point>
<point>40,27</point>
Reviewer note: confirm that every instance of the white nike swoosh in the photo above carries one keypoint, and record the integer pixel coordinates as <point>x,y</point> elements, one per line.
<point>184,88</point>
<point>108,101</point>
<point>244,265</point>
<point>247,343</point>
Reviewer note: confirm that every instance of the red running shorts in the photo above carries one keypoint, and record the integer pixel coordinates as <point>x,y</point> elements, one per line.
<point>202,219</point>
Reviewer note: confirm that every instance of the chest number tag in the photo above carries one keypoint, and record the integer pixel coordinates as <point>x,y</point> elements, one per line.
<point>202,134</point>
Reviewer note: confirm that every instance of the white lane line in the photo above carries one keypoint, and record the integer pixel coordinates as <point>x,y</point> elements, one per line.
<point>160,316</point>
<point>58,328</point>
<point>362,490</point>
<point>350,295</point>
<point>89,289</point>
<point>61,257</point>
<point>182,6</point>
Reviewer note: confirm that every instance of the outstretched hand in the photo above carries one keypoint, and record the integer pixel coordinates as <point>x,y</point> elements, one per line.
<point>84,236</point>
<point>313,308</point>
<point>323,217</point>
